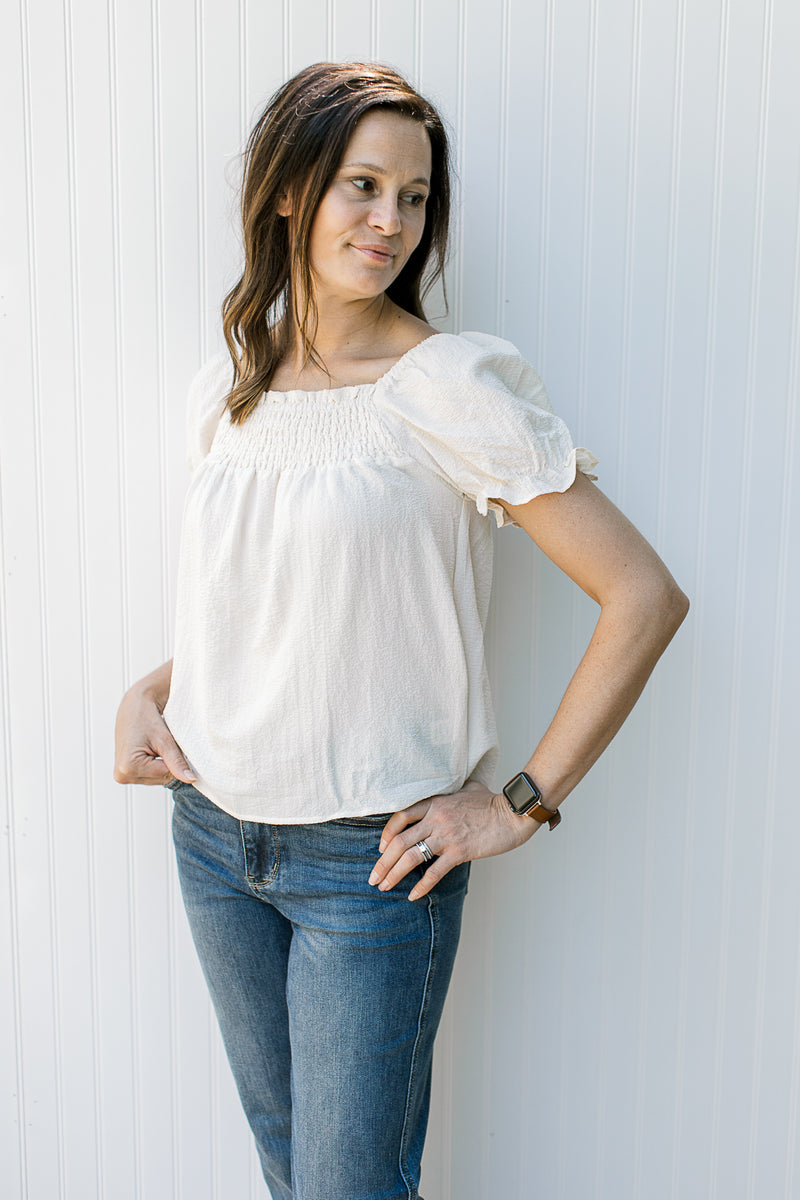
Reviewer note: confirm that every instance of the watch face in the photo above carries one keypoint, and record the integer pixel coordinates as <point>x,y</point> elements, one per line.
<point>521,793</point>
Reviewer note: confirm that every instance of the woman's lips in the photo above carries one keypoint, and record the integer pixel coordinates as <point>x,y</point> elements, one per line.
<point>376,254</point>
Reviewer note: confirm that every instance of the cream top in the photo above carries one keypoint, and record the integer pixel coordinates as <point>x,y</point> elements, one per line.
<point>334,580</point>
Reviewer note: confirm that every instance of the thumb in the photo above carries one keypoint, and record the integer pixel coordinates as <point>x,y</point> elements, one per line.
<point>175,761</point>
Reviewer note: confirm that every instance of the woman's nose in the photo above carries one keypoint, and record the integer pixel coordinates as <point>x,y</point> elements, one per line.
<point>385,215</point>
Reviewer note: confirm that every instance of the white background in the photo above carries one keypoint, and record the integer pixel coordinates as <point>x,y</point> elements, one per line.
<point>624,1017</point>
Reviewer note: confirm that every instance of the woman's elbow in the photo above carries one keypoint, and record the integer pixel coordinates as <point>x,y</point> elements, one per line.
<point>667,605</point>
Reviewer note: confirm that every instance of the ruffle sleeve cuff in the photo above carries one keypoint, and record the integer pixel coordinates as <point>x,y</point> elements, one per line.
<point>580,459</point>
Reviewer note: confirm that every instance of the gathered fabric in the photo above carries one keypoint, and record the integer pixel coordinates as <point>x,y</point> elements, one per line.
<point>335,574</point>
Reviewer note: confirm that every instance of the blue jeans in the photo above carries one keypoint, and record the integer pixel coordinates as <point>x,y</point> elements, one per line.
<point>328,993</point>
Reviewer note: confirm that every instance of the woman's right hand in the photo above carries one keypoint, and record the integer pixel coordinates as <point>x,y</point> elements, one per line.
<point>145,750</point>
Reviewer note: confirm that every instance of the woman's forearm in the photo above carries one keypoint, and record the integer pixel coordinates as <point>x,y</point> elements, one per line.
<point>629,638</point>
<point>156,685</point>
<point>641,607</point>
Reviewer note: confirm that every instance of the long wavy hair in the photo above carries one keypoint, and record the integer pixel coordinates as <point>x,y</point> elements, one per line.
<point>295,150</point>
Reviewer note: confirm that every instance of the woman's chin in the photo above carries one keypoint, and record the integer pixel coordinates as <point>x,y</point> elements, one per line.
<point>353,291</point>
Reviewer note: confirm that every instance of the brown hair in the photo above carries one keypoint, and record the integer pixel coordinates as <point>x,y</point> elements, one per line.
<point>295,150</point>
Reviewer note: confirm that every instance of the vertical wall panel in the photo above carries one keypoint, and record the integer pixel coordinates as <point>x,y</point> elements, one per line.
<point>311,32</point>
<point>397,33</point>
<point>20,670</point>
<point>629,184</point>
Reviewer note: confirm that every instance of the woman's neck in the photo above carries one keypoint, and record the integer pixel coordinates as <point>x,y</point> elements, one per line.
<point>352,344</point>
<point>347,340</point>
<point>342,330</point>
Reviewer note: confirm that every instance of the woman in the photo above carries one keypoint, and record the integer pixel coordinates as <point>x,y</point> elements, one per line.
<point>328,733</point>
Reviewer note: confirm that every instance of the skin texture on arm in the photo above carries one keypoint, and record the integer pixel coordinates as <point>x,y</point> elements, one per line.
<point>145,750</point>
<point>641,607</point>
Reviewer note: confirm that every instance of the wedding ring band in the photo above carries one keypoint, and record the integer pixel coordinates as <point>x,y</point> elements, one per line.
<point>425,851</point>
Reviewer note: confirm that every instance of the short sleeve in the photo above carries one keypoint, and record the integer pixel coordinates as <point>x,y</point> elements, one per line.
<point>478,414</point>
<point>205,405</point>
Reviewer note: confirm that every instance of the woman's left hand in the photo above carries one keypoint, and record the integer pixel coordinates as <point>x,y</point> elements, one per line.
<point>457,828</point>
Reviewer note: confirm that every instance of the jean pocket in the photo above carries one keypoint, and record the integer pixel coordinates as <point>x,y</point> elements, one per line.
<point>172,785</point>
<point>370,821</point>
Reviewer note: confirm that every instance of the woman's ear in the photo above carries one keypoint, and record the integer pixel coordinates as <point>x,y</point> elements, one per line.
<point>284,206</point>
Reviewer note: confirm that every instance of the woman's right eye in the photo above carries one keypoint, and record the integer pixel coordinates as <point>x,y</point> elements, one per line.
<point>363,185</point>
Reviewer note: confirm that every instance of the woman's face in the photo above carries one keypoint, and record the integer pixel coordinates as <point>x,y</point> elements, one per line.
<point>372,216</point>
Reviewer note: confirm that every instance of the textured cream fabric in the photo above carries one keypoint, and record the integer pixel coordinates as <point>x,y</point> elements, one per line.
<point>334,580</point>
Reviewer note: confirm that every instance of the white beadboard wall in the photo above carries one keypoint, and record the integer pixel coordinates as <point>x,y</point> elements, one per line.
<point>624,1018</point>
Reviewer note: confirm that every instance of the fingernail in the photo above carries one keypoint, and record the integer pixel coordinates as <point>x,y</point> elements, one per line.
<point>413,894</point>
<point>383,887</point>
<point>373,879</point>
<point>381,845</point>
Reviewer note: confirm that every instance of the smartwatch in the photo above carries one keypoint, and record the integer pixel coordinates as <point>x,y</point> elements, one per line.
<point>524,798</point>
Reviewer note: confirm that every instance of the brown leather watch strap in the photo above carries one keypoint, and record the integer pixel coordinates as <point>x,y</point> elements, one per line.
<point>544,815</point>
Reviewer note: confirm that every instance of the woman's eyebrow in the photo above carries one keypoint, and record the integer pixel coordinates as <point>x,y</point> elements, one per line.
<point>381,171</point>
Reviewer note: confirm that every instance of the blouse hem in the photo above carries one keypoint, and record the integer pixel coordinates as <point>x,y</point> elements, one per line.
<point>420,790</point>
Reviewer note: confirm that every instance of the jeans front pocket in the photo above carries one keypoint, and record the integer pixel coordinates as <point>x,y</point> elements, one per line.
<point>370,821</point>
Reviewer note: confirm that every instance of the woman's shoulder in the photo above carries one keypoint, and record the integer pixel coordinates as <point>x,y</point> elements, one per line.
<point>214,376</point>
<point>470,358</point>
<point>461,380</point>
<point>408,330</point>
<point>473,409</point>
<point>411,337</point>
<point>208,392</point>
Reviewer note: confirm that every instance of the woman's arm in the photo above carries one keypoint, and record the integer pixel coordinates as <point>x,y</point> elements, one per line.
<point>641,607</point>
<point>146,751</point>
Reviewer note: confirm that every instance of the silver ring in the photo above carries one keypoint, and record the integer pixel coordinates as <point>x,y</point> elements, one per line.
<point>425,851</point>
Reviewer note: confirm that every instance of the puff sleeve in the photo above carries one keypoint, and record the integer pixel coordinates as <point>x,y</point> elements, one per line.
<point>205,405</point>
<point>477,413</point>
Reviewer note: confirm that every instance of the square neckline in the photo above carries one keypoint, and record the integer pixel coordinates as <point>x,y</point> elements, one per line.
<point>277,393</point>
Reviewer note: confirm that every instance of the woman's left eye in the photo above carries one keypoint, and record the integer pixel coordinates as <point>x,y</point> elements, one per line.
<point>368,188</point>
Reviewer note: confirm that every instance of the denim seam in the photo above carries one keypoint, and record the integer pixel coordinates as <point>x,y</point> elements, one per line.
<point>412,1077</point>
<point>253,883</point>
